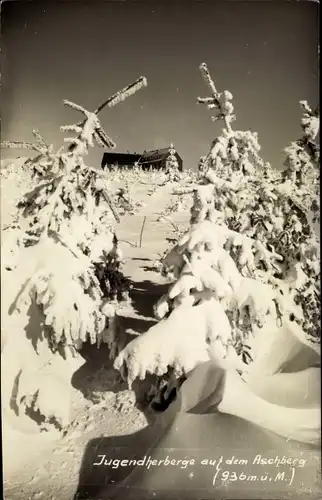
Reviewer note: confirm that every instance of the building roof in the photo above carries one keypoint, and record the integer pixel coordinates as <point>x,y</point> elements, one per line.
<point>150,157</point>
<point>120,158</point>
<point>155,155</point>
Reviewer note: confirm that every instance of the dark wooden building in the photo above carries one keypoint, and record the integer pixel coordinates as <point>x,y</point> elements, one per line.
<point>119,160</point>
<point>157,159</point>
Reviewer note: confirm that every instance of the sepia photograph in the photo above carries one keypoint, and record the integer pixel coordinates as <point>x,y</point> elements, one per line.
<point>160,250</point>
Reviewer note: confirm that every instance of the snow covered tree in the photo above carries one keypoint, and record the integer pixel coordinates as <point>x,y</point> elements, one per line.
<point>70,262</point>
<point>124,201</point>
<point>303,159</point>
<point>172,166</point>
<point>202,165</point>
<point>230,274</point>
<point>298,242</point>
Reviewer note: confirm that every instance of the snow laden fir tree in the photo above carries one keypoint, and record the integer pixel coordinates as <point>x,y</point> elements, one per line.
<point>172,166</point>
<point>301,182</point>
<point>71,267</point>
<point>247,267</point>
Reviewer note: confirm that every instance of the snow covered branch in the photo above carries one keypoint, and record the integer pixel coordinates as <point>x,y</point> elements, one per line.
<point>219,101</point>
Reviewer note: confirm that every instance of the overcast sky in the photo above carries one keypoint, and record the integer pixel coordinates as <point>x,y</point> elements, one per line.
<point>263,52</point>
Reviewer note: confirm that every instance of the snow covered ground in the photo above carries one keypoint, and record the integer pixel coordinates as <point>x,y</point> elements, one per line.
<point>105,415</point>
<point>47,466</point>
